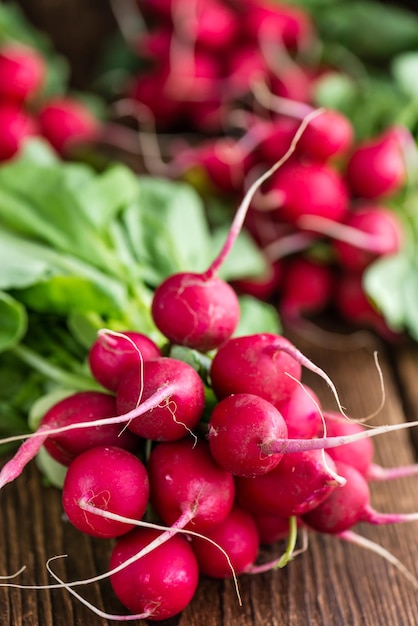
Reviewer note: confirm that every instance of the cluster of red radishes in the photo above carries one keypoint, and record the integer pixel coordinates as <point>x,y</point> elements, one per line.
<point>191,469</point>
<point>27,111</point>
<point>239,77</point>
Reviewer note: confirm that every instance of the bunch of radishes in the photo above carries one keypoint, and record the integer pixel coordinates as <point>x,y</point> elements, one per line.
<point>191,464</point>
<point>27,111</point>
<point>236,78</point>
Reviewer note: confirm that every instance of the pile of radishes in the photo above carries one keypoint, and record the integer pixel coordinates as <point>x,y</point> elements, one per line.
<point>26,111</point>
<point>221,88</point>
<point>191,461</point>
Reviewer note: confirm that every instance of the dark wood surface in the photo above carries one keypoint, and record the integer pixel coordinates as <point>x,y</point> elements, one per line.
<point>332,583</point>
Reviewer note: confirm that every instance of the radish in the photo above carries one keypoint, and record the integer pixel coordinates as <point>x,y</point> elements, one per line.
<point>348,505</point>
<point>360,453</point>
<point>237,534</point>
<point>302,413</point>
<point>22,73</point>
<point>309,189</point>
<point>251,420</point>
<point>295,486</point>
<point>256,364</point>
<point>307,288</point>
<point>383,235</point>
<point>328,136</point>
<point>279,22</point>
<point>187,487</point>
<point>84,406</point>
<point>108,478</point>
<point>214,26</point>
<point>161,583</point>
<point>376,167</point>
<point>16,126</point>
<point>271,528</point>
<point>172,419</point>
<point>112,354</point>
<point>66,122</point>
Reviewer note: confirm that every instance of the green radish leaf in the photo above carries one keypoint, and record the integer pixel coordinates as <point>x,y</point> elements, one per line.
<point>405,71</point>
<point>257,317</point>
<point>13,321</point>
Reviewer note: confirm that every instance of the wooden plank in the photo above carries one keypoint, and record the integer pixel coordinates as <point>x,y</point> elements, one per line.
<point>331,583</point>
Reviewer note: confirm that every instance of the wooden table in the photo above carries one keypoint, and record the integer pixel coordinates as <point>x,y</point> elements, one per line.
<point>332,583</point>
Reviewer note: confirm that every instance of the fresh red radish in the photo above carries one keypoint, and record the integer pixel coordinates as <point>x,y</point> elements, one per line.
<point>161,583</point>
<point>16,126</point>
<point>271,528</point>
<point>213,25</point>
<point>291,83</point>
<point>251,420</point>
<point>256,364</point>
<point>155,43</point>
<point>66,122</point>
<point>278,139</point>
<point>245,64</point>
<point>353,304</point>
<point>307,287</point>
<point>295,486</point>
<point>376,167</point>
<point>263,287</point>
<point>383,235</point>
<point>187,484</point>
<point>22,73</point>
<point>146,90</point>
<point>193,310</point>
<point>237,534</point>
<point>349,504</point>
<point>112,354</point>
<point>302,413</point>
<point>84,406</point>
<point>360,454</point>
<point>329,135</point>
<point>274,22</point>
<point>309,189</point>
<point>110,479</point>
<point>172,419</point>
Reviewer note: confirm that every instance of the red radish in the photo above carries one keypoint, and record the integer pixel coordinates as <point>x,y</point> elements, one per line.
<point>251,420</point>
<point>302,413</point>
<point>66,122</point>
<point>386,236</point>
<point>187,484</point>
<point>84,406</point>
<point>278,137</point>
<point>291,83</point>
<point>237,534</point>
<point>307,287</point>
<point>328,136</point>
<point>257,364</point>
<point>245,64</point>
<point>352,302</point>
<point>155,43</point>
<point>161,583</point>
<point>262,287</point>
<point>213,25</point>
<point>274,21</point>
<point>112,354</point>
<point>172,419</point>
<point>309,189</point>
<point>377,168</point>
<point>195,311</point>
<point>22,73</point>
<point>348,505</point>
<point>360,453</point>
<point>295,486</point>
<point>110,479</point>
<point>16,126</point>
<point>147,90</point>
<point>271,528</point>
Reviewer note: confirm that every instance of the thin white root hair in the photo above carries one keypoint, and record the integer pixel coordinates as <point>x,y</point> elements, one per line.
<point>363,542</point>
<point>9,576</point>
<point>95,609</point>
